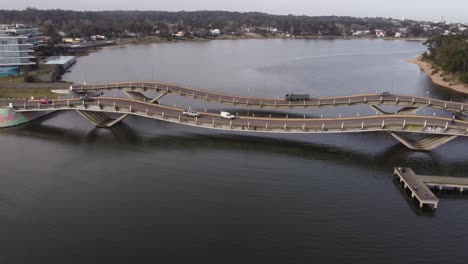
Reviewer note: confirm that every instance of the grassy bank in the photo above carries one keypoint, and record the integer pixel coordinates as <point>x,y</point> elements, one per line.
<point>27,93</point>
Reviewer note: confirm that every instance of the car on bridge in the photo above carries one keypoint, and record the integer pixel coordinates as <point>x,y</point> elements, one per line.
<point>86,98</point>
<point>45,101</point>
<point>191,113</point>
<point>296,97</point>
<point>384,94</point>
<point>227,115</point>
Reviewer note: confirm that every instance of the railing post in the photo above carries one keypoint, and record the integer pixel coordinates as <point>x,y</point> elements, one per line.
<point>303,127</point>
<point>383,123</point>
<point>285,127</point>
<point>230,124</point>
<point>342,126</point>
<point>323,126</point>
<point>425,123</point>
<point>404,124</point>
<point>362,125</point>
<point>213,122</point>
<point>365,100</point>
<point>162,115</point>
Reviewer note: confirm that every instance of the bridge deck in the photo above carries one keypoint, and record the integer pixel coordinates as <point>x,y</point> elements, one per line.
<point>280,102</point>
<point>442,182</point>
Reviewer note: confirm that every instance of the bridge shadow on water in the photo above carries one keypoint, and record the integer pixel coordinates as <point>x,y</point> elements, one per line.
<point>123,135</point>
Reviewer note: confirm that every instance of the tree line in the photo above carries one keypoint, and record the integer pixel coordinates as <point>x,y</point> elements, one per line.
<point>111,23</point>
<point>450,53</point>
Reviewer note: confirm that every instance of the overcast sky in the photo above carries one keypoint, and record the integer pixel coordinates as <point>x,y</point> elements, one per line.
<point>433,10</point>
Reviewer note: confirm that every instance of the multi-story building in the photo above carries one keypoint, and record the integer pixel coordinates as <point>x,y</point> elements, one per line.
<point>16,49</point>
<point>34,35</point>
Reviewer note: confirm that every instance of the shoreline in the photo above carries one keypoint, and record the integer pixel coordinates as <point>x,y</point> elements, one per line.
<point>436,78</point>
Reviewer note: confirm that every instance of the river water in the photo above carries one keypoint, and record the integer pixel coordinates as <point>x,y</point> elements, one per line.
<point>151,192</point>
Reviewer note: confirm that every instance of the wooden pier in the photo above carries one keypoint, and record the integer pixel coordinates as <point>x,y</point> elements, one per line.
<point>419,185</point>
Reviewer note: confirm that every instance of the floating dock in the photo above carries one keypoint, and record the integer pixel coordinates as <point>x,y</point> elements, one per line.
<point>419,185</point>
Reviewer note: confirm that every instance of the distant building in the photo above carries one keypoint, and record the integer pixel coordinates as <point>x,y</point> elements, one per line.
<point>360,32</point>
<point>379,33</point>
<point>33,35</point>
<point>215,32</point>
<point>398,35</point>
<point>179,34</point>
<point>15,51</point>
<point>97,37</point>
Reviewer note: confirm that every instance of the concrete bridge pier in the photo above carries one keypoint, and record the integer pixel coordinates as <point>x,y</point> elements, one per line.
<point>426,144</point>
<point>407,110</point>
<point>140,97</point>
<point>100,119</point>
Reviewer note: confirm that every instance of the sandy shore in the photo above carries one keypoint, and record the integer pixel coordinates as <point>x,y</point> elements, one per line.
<point>437,78</point>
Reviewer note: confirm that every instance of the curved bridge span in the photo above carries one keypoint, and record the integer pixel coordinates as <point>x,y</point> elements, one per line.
<point>408,103</point>
<point>437,130</point>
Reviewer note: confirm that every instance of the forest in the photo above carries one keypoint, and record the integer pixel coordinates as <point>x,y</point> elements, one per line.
<point>450,53</point>
<point>112,23</point>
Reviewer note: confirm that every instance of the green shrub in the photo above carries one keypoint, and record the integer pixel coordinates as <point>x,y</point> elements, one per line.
<point>464,78</point>
<point>29,78</point>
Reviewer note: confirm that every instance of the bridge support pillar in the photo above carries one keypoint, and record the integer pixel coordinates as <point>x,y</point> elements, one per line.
<point>99,119</point>
<point>426,144</point>
<point>408,110</point>
<point>140,97</point>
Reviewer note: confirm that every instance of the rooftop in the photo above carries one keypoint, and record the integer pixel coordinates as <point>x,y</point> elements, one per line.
<point>60,60</point>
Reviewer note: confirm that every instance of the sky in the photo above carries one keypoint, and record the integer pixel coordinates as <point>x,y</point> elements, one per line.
<point>430,10</point>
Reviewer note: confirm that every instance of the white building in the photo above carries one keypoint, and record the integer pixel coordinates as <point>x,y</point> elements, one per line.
<point>215,32</point>
<point>15,51</point>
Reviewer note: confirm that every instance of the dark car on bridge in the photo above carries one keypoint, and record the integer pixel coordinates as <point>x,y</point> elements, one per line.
<point>384,94</point>
<point>296,97</point>
<point>86,98</point>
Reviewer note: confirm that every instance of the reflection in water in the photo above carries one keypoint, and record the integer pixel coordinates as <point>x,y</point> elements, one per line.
<point>125,135</point>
